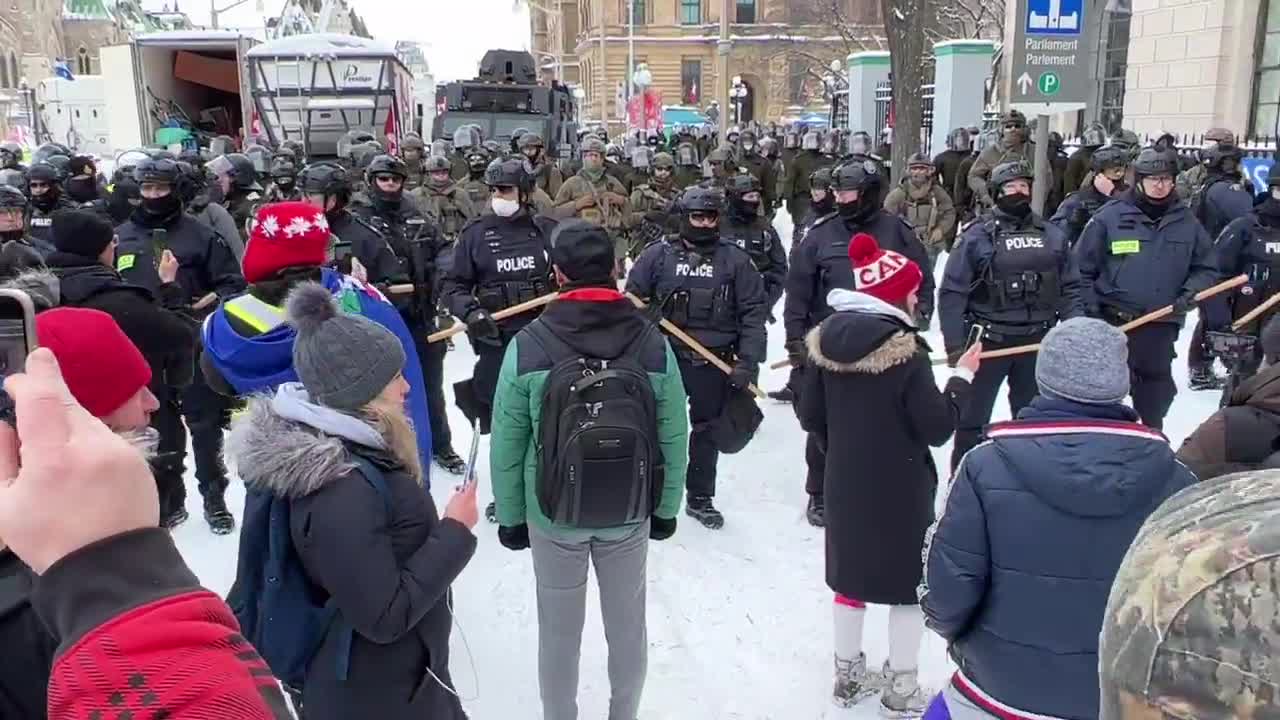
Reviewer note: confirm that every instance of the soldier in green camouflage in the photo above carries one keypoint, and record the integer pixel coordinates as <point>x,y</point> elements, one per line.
<point>1192,627</point>
<point>440,199</point>
<point>413,151</point>
<point>651,204</point>
<point>473,185</point>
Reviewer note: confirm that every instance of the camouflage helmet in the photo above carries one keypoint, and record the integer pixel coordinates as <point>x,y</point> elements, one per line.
<point>594,145</point>
<point>720,155</point>
<point>664,160</point>
<point>1013,117</point>
<point>1192,626</point>
<point>1127,139</point>
<point>919,160</point>
<point>1219,135</point>
<point>436,163</point>
<point>530,140</point>
<point>412,142</point>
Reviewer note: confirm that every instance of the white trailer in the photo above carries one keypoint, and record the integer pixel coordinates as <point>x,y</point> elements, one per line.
<point>74,112</point>
<point>316,88</point>
<point>189,78</point>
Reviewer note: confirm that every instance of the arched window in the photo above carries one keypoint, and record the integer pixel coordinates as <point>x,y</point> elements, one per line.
<point>14,75</point>
<point>4,74</point>
<point>84,65</point>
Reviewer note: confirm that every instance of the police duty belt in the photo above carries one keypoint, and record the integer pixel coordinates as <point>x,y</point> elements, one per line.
<point>694,345</point>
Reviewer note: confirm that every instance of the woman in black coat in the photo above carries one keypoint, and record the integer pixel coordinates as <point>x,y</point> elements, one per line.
<point>869,393</point>
<point>373,546</point>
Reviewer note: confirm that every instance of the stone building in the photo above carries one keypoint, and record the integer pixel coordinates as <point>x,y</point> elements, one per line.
<point>779,48</point>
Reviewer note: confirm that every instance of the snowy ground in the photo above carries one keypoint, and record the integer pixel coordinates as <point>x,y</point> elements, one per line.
<point>739,620</point>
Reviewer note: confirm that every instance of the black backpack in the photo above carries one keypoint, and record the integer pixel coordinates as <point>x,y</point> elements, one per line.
<point>599,461</point>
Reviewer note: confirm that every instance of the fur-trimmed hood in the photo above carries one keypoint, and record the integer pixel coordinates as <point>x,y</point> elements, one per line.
<point>41,284</point>
<point>865,335</point>
<point>292,447</point>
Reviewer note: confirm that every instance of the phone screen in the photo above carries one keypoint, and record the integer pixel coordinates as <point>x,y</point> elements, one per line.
<point>13,342</point>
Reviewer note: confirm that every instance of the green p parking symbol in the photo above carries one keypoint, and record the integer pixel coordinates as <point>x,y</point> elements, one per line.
<point>1049,83</point>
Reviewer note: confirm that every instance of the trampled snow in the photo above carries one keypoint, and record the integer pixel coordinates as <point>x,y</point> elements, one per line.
<point>739,619</point>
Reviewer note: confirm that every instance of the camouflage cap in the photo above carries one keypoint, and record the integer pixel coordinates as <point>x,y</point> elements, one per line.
<point>1192,627</point>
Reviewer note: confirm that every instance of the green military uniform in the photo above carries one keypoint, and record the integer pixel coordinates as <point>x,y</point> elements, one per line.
<point>929,211</point>
<point>611,215</point>
<point>650,219</point>
<point>998,154</point>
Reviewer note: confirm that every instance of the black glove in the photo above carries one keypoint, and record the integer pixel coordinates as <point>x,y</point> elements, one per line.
<point>514,538</point>
<point>661,528</point>
<point>797,353</point>
<point>481,327</point>
<point>1185,302</point>
<point>770,319</point>
<point>657,217</point>
<point>742,376</point>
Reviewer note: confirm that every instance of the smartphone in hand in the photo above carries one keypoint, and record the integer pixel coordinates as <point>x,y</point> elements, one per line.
<point>17,340</point>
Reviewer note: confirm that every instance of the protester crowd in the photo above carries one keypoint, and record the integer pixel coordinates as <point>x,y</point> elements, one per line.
<point>618,305</point>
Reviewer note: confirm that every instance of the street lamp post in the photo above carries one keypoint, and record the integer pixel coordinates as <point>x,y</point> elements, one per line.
<point>214,11</point>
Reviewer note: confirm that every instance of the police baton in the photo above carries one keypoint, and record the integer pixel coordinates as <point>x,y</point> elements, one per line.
<point>694,345</point>
<point>1254,313</point>
<point>525,306</point>
<point>1150,317</point>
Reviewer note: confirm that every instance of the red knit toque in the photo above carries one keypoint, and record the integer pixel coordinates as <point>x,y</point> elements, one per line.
<point>287,234</point>
<point>884,274</point>
<point>101,366</point>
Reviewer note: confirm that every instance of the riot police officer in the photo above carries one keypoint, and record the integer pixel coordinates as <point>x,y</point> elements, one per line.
<point>617,166</point>
<point>1249,245</point>
<point>284,179</point>
<point>327,187</point>
<point>1013,276</point>
<point>44,181</point>
<point>500,260</point>
<point>413,151</point>
<point>822,202</point>
<point>809,160</point>
<point>1081,161</point>
<point>709,288</point>
<point>546,176</point>
<point>688,166</point>
<point>1107,167</point>
<point>416,242</point>
<point>16,251</point>
<point>83,185</point>
<point>207,272</point>
<point>745,226</point>
<point>192,187</point>
<point>1141,252</point>
<point>651,204</point>
<point>473,183</point>
<point>1221,197</point>
<point>238,183</point>
<point>751,158</point>
<point>947,163</point>
<point>821,264</point>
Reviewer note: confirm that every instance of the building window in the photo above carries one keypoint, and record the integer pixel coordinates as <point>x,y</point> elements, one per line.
<point>797,75</point>
<point>1266,79</point>
<point>83,63</point>
<point>4,74</point>
<point>1116,63</point>
<point>690,12</point>
<point>746,11</point>
<point>691,81</point>
<point>639,8</point>
<point>15,77</point>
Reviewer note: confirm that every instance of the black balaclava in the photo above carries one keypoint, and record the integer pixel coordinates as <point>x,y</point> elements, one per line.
<point>385,201</point>
<point>1016,205</point>
<point>824,206</point>
<point>743,210</point>
<point>49,200</point>
<point>159,212</point>
<point>1269,211</point>
<point>699,236</point>
<point>860,210</point>
<point>118,204</point>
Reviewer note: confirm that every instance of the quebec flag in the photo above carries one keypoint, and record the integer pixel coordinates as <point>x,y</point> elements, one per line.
<point>62,70</point>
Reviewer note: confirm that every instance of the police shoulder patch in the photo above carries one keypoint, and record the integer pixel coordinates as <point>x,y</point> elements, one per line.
<point>364,223</point>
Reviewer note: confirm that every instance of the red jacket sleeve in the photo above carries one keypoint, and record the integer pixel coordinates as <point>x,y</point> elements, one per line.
<point>138,635</point>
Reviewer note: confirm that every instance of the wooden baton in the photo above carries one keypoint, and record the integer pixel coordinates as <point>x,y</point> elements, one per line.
<point>1254,313</point>
<point>503,314</point>
<point>695,345</point>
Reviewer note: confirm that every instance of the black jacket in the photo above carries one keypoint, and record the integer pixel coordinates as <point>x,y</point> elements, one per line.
<point>499,262</point>
<point>161,329</point>
<point>26,663</point>
<point>386,563</point>
<point>205,261</point>
<point>879,476</point>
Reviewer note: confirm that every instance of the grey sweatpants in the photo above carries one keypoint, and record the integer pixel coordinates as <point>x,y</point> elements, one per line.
<point>561,571</point>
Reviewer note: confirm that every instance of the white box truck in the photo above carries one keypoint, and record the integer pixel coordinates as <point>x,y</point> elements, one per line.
<point>190,79</point>
<point>74,112</point>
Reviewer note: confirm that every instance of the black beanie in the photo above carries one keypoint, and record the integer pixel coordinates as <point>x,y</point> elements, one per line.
<point>79,232</point>
<point>583,252</point>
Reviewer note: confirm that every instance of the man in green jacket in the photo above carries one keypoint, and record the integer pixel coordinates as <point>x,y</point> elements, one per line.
<point>595,495</point>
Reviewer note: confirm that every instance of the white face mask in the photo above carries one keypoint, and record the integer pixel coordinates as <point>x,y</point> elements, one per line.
<point>504,208</point>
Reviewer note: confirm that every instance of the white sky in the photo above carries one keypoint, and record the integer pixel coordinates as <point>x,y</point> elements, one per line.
<point>455,33</point>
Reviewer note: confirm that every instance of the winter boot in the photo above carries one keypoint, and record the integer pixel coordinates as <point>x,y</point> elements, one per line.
<point>785,395</point>
<point>174,519</point>
<point>491,512</point>
<point>699,507</point>
<point>817,512</point>
<point>902,696</point>
<point>219,518</point>
<point>449,460</point>
<point>1204,378</point>
<point>853,683</point>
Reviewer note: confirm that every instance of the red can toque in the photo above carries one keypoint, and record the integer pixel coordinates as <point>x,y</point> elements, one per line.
<point>101,365</point>
<point>287,234</point>
<point>884,274</point>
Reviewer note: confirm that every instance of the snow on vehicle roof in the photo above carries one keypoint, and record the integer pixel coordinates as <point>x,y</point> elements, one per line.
<point>190,36</point>
<point>324,45</point>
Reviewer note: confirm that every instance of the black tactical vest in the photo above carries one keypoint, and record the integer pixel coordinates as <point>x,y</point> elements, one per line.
<point>517,269</point>
<point>1021,281</point>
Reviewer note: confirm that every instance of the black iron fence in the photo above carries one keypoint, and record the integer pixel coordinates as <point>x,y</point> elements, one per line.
<point>884,102</point>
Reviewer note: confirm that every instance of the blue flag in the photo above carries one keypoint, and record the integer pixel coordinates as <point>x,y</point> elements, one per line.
<point>62,70</point>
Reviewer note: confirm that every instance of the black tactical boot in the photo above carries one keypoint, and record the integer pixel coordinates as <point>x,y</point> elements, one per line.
<point>1204,378</point>
<point>218,516</point>
<point>785,395</point>
<point>817,512</point>
<point>174,519</point>
<point>491,512</point>
<point>449,460</point>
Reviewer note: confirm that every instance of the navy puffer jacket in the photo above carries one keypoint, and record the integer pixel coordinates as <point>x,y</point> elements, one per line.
<point>1036,522</point>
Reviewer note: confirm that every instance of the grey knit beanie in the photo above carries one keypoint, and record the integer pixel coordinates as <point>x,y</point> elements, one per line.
<point>1085,360</point>
<point>343,361</point>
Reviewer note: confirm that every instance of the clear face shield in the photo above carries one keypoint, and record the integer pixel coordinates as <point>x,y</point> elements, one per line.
<point>642,158</point>
<point>811,141</point>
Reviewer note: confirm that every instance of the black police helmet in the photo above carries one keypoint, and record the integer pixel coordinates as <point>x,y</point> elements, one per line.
<point>1108,157</point>
<point>1008,172</point>
<point>820,179</point>
<point>385,165</point>
<point>741,184</point>
<point>325,179</point>
<point>1273,176</point>
<point>858,173</point>
<point>507,172</point>
<point>157,171</point>
<point>700,199</point>
<point>1155,162</point>
<point>11,198</point>
<point>45,173</point>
